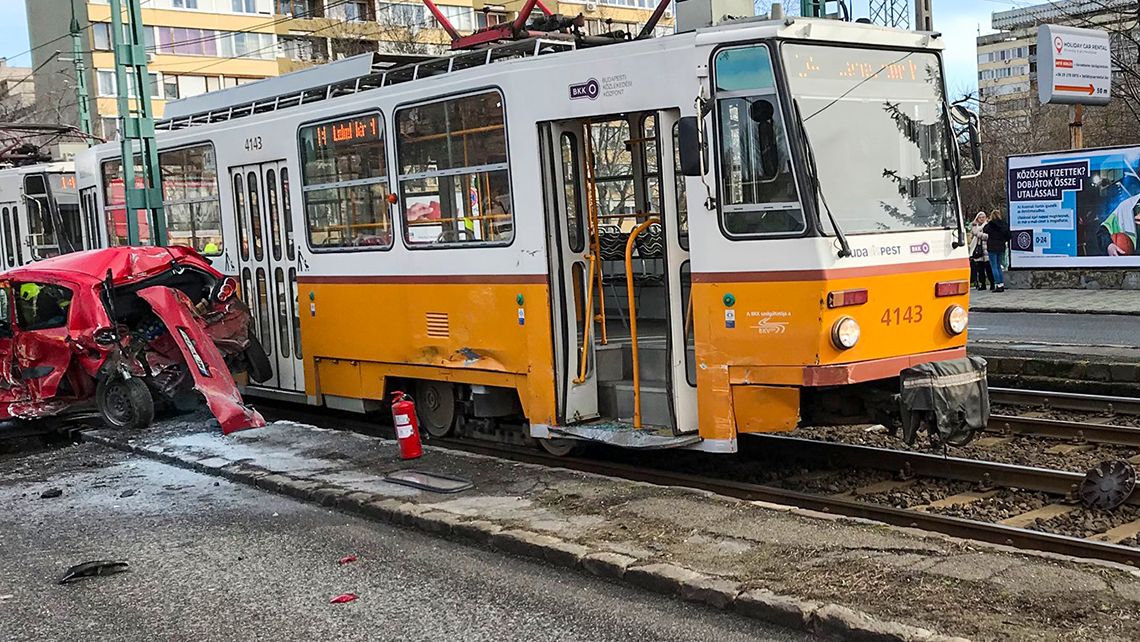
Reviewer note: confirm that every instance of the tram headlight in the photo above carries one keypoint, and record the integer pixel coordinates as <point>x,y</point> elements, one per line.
<point>956,319</point>
<point>845,333</point>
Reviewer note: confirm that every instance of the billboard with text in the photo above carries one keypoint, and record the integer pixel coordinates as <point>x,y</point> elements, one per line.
<point>1074,209</point>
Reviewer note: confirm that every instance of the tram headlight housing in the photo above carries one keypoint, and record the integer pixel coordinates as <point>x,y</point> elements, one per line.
<point>845,333</point>
<point>956,319</point>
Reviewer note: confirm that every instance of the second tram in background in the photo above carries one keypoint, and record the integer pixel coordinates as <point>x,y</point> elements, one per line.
<point>664,242</point>
<point>40,215</point>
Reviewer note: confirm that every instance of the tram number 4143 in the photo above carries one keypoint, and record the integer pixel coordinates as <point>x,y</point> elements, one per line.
<point>253,144</point>
<point>899,316</point>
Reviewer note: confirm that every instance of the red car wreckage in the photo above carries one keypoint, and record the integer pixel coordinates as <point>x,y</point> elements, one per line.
<point>120,330</point>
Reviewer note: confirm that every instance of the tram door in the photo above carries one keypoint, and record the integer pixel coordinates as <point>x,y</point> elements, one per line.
<point>570,271</point>
<point>655,188</point>
<point>674,216</point>
<point>267,270</point>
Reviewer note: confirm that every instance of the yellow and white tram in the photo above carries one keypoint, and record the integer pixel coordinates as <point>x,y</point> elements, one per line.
<point>40,214</point>
<point>662,242</point>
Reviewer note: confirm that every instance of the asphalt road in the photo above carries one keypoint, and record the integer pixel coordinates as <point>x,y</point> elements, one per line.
<point>210,560</point>
<point>1060,329</point>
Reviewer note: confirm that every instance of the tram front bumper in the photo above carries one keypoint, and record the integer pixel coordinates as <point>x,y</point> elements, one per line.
<point>950,399</point>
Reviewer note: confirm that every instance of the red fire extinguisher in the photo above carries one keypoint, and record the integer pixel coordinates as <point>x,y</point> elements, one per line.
<point>407,427</point>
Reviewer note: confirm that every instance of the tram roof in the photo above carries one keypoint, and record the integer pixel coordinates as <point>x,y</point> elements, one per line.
<point>375,70</point>
<point>50,167</point>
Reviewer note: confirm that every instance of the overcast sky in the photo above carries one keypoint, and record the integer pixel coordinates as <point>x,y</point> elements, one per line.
<point>958,20</point>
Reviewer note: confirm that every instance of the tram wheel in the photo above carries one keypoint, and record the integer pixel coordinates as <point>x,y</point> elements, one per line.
<point>561,447</point>
<point>435,404</point>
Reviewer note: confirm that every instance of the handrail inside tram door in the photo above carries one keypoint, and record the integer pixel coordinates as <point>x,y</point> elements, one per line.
<point>633,315</point>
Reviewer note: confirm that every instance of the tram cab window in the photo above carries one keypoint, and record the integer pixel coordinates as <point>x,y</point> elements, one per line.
<point>344,173</point>
<point>191,198</point>
<point>454,182</point>
<point>758,187</point>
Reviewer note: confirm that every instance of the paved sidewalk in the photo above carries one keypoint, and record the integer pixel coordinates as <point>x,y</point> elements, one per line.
<point>836,576</point>
<point>1073,301</point>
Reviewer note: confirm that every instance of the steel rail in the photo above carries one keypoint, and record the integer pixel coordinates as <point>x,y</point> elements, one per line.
<point>986,473</point>
<point>933,522</point>
<point>1067,400</point>
<point>1074,430</point>
<point>947,525</point>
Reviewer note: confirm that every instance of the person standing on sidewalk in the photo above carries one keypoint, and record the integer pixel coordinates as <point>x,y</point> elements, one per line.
<point>980,270</point>
<point>996,235</point>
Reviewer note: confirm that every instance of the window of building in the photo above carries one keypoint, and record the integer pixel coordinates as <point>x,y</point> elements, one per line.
<point>454,180</point>
<point>349,47</point>
<point>295,8</point>
<point>105,83</point>
<point>191,198</point>
<point>243,6</point>
<point>462,18</point>
<point>484,19</point>
<point>170,87</point>
<point>246,45</point>
<point>303,49</point>
<point>758,189</point>
<point>40,306</point>
<point>186,42</point>
<point>109,127</point>
<point>344,177</point>
<point>402,15</point>
<point>101,36</point>
<point>353,11</point>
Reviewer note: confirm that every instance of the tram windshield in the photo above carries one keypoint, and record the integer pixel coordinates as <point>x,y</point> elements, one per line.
<point>877,122</point>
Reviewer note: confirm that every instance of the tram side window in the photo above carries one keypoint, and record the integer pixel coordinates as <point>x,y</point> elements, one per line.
<point>191,198</point>
<point>344,178</point>
<point>9,247</point>
<point>115,204</point>
<point>454,182</point>
<point>757,183</point>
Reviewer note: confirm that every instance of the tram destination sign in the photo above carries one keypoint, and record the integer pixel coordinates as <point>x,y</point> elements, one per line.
<point>364,128</point>
<point>1074,66</point>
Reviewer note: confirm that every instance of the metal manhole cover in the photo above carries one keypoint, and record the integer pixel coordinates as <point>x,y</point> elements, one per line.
<point>434,482</point>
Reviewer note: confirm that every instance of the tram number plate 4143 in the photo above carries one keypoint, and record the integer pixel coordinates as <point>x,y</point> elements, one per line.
<point>901,316</point>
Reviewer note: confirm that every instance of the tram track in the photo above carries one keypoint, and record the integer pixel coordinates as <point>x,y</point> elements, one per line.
<point>979,474</point>
<point>1066,401</point>
<point>834,504</point>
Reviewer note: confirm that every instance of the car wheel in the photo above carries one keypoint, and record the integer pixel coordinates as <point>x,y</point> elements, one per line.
<point>257,362</point>
<point>124,403</point>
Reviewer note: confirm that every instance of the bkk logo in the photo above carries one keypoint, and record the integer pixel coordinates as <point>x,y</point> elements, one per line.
<point>588,89</point>
<point>920,248</point>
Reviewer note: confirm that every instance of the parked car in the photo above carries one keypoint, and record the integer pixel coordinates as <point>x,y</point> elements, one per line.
<point>119,329</point>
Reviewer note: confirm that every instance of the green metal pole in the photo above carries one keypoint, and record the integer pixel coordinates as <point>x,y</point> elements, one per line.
<point>813,8</point>
<point>137,125</point>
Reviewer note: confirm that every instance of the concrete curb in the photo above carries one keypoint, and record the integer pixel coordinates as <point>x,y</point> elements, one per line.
<point>663,578</point>
<point>999,310</point>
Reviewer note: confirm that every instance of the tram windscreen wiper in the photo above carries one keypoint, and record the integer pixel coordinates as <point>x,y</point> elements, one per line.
<point>813,171</point>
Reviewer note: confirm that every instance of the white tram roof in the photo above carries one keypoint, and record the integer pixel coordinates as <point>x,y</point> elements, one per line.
<point>38,168</point>
<point>373,71</point>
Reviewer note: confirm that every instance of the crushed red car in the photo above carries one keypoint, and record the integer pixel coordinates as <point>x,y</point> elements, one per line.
<point>121,330</point>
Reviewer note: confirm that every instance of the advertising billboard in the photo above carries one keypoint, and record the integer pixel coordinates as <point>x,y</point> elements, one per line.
<point>1074,209</point>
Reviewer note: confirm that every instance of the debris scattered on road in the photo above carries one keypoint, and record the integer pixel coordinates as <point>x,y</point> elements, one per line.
<point>347,559</point>
<point>96,568</point>
<point>342,598</point>
<point>51,493</point>
<point>5,598</point>
<point>128,492</point>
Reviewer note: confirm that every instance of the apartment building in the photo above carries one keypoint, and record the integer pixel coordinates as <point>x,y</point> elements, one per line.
<point>1007,60</point>
<point>196,46</point>
<point>17,87</point>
